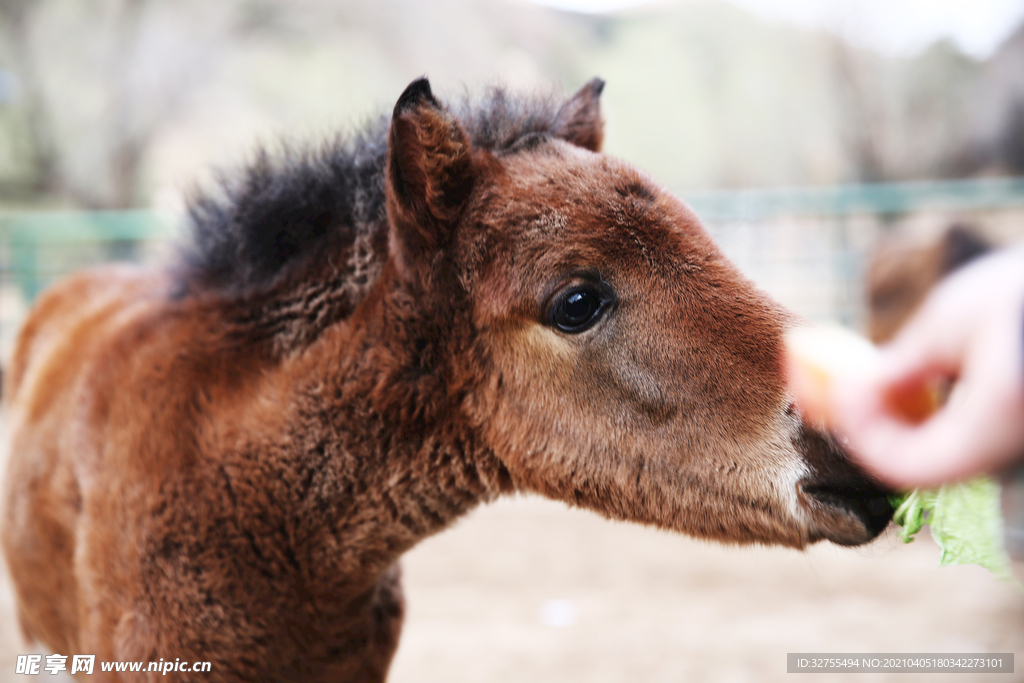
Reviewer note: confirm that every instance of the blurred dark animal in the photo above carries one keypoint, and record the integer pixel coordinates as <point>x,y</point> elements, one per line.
<point>224,461</point>
<point>902,271</point>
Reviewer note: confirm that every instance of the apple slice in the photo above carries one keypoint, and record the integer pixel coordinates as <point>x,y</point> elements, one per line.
<point>816,357</point>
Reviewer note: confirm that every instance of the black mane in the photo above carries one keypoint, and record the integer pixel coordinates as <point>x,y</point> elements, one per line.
<point>294,210</point>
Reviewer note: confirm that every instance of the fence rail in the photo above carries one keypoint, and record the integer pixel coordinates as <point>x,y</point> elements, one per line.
<point>806,246</point>
<point>37,247</point>
<point>871,198</point>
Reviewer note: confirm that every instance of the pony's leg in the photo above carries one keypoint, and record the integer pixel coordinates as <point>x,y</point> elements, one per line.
<point>387,613</point>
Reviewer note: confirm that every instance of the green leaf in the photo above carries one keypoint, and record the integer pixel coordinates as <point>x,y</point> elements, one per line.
<point>911,510</point>
<point>965,521</point>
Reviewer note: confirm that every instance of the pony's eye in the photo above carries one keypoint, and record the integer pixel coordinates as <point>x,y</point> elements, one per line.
<point>577,309</point>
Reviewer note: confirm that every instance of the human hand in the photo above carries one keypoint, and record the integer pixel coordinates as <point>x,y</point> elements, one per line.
<point>970,331</point>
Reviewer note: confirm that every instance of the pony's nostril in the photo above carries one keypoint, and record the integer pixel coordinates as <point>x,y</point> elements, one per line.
<point>790,408</point>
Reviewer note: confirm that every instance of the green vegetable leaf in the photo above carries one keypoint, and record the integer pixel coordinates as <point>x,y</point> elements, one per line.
<point>965,521</point>
<point>911,510</point>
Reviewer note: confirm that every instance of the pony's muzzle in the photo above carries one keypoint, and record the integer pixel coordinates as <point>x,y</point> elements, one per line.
<point>846,505</point>
<point>849,514</point>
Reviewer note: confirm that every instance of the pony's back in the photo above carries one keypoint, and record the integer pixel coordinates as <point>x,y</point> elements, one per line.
<point>47,395</point>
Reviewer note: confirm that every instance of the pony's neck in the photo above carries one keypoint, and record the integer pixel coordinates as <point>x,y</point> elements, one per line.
<point>385,454</point>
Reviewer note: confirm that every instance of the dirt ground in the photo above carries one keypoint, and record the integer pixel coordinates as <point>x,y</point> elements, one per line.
<point>528,590</point>
<point>636,604</point>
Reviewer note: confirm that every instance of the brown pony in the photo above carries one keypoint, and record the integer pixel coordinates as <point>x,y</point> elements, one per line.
<point>902,272</point>
<point>224,460</point>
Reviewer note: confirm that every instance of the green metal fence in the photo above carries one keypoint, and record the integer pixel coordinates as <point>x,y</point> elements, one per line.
<point>38,246</point>
<point>806,246</point>
<point>981,194</point>
<point>809,246</point>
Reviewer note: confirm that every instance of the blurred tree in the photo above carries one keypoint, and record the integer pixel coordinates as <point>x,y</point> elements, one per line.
<point>937,103</point>
<point>995,136</point>
<point>864,119</point>
<point>902,117</point>
<point>96,83</point>
<point>41,174</point>
<point>1012,139</point>
<point>119,100</point>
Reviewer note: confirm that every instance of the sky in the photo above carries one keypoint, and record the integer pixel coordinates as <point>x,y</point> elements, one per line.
<point>894,26</point>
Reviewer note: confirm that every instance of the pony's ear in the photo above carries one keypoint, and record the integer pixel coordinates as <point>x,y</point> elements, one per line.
<point>429,172</point>
<point>579,119</point>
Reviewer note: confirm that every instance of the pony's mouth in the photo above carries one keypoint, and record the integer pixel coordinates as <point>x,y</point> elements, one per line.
<point>850,512</point>
<point>846,505</point>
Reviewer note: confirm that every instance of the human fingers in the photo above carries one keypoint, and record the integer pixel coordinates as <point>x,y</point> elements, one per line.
<point>916,441</point>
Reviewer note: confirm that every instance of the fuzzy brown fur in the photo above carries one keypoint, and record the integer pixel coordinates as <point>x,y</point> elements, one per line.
<point>225,461</point>
<point>901,272</point>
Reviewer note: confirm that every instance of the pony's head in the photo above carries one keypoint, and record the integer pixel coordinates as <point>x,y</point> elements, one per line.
<point>597,339</point>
